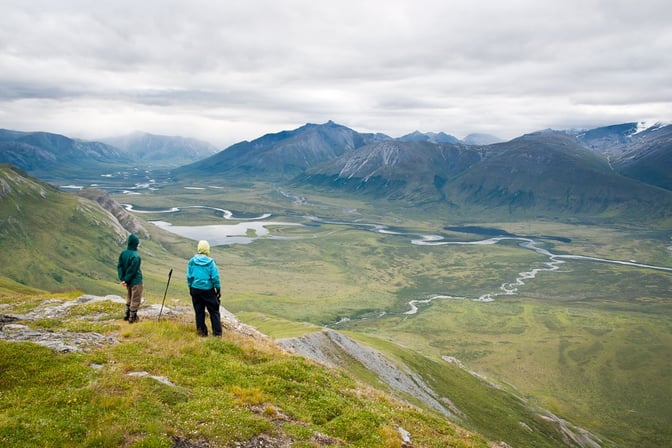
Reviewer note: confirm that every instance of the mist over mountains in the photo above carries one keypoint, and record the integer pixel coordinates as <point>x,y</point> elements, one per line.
<point>162,150</point>
<point>622,170</point>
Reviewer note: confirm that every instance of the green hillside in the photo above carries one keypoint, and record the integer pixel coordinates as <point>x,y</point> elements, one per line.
<point>163,386</point>
<point>53,240</point>
<point>58,241</point>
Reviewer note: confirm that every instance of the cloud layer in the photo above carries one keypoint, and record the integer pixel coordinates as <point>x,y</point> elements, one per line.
<point>229,71</point>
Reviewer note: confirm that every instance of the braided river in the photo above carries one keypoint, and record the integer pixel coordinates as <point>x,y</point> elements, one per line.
<point>249,229</point>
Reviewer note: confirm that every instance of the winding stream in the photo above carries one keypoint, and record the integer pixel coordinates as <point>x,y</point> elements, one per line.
<point>240,233</point>
<point>506,289</point>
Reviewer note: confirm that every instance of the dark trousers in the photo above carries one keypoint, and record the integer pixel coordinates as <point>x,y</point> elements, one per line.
<point>202,299</point>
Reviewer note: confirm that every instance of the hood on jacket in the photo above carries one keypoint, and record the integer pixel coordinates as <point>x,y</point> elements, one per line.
<point>201,260</point>
<point>133,242</point>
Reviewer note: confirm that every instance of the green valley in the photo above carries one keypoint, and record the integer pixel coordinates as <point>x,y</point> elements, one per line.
<point>586,342</point>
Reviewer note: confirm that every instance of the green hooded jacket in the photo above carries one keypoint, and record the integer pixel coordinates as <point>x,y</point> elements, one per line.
<point>128,266</point>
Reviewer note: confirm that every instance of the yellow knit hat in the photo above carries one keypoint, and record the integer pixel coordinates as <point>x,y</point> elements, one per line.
<point>203,247</point>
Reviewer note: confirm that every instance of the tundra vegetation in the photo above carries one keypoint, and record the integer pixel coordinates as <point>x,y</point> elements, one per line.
<point>162,386</point>
<point>588,342</point>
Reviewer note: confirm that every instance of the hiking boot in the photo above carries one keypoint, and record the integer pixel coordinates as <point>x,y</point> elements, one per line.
<point>127,315</point>
<point>133,317</point>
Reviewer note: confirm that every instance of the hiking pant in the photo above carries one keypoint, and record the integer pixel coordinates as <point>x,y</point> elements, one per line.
<point>202,299</point>
<point>134,296</point>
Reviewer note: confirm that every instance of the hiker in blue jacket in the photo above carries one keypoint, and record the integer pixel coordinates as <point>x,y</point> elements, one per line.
<point>205,289</point>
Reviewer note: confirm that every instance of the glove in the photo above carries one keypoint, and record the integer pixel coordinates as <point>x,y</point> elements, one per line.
<point>218,295</point>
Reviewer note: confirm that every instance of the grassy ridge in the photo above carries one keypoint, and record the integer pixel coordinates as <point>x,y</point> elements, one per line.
<point>52,240</point>
<point>484,407</point>
<point>223,391</point>
<point>56,241</point>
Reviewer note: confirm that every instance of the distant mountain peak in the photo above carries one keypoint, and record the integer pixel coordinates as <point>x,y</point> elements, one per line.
<point>481,139</point>
<point>432,137</point>
<point>286,153</point>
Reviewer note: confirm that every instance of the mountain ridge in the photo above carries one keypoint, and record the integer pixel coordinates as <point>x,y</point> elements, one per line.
<point>53,155</point>
<point>634,180</point>
<point>43,228</point>
<point>284,154</point>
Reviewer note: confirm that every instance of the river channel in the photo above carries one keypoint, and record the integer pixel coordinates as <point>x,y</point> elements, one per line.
<point>250,229</point>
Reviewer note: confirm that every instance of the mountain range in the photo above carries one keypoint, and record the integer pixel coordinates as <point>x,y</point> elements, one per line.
<point>618,171</point>
<point>54,156</point>
<point>615,171</point>
<point>50,156</point>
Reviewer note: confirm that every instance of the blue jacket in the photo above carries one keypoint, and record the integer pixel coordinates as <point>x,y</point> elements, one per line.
<point>202,273</point>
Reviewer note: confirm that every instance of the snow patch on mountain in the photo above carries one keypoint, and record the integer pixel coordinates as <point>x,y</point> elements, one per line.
<point>650,125</point>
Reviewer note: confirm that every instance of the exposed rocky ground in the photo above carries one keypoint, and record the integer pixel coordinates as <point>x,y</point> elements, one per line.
<point>331,347</point>
<point>16,327</point>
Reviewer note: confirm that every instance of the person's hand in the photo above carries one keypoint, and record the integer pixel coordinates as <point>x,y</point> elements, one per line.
<point>122,283</point>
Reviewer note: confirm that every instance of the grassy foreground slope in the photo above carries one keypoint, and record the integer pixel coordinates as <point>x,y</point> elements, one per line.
<point>163,386</point>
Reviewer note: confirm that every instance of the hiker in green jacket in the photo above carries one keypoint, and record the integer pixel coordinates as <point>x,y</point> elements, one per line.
<point>130,274</point>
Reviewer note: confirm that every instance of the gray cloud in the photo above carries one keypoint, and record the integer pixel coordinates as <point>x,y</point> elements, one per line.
<point>228,71</point>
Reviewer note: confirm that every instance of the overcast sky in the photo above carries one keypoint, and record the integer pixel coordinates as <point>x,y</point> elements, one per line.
<point>226,71</point>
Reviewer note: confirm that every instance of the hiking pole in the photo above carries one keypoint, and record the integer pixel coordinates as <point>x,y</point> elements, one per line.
<point>166,292</point>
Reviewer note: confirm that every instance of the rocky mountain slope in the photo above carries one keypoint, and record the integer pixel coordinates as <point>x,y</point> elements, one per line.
<point>395,169</point>
<point>649,157</point>
<point>281,155</point>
